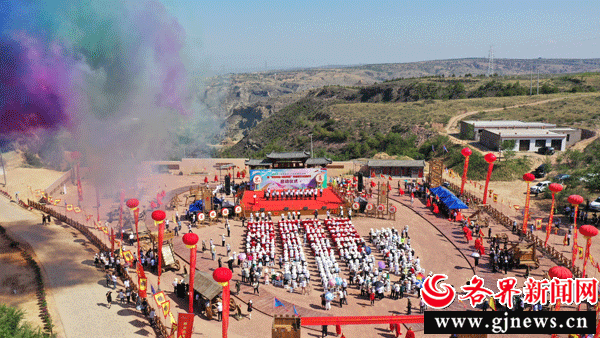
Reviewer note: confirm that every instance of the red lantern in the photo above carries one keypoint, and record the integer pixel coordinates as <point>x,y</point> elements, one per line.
<point>575,199</point>
<point>466,152</point>
<point>216,178</point>
<point>222,275</point>
<point>158,215</point>
<point>489,158</point>
<point>190,239</point>
<point>560,272</point>
<point>528,177</point>
<point>132,203</point>
<point>588,230</point>
<point>555,187</point>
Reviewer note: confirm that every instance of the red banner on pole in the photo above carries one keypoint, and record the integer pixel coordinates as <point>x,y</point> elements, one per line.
<point>185,325</point>
<point>192,275</point>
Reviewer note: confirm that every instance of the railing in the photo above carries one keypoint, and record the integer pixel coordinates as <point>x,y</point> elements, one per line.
<point>159,327</point>
<point>507,222</point>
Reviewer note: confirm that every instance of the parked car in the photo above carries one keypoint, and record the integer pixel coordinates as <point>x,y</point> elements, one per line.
<point>540,187</point>
<point>588,177</point>
<point>540,172</point>
<point>562,177</point>
<point>595,205</point>
<point>546,151</point>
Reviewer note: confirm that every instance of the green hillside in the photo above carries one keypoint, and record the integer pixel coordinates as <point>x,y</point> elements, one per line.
<point>400,116</point>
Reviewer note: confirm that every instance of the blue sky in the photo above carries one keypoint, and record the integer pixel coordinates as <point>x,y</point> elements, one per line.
<point>225,36</point>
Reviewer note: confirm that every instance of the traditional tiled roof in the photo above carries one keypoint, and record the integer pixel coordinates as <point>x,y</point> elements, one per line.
<point>299,155</point>
<point>318,161</point>
<point>396,163</point>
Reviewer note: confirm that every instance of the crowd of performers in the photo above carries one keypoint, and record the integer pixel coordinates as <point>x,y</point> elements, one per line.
<point>293,194</point>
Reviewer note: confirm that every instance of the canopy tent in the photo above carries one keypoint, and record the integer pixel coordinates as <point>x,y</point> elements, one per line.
<point>448,198</point>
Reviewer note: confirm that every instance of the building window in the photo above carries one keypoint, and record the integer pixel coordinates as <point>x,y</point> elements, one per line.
<point>568,135</point>
<point>540,143</point>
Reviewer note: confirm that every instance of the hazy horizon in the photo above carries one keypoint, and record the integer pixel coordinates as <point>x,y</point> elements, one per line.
<point>238,36</point>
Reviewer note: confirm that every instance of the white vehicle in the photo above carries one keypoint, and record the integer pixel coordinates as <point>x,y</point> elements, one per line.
<point>595,205</point>
<point>540,187</point>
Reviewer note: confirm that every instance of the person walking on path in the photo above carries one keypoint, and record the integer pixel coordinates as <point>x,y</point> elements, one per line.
<point>238,287</point>
<point>109,299</point>
<point>255,286</point>
<point>409,307</point>
<point>223,240</point>
<point>114,281</point>
<point>324,331</point>
<point>249,309</point>
<point>372,298</point>
<point>228,227</point>
<point>219,311</point>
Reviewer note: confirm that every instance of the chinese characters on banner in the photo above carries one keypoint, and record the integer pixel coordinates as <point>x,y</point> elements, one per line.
<point>544,291</point>
<point>185,325</point>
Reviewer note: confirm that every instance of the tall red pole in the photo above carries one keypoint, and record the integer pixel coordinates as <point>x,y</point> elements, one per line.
<point>575,200</point>
<point>133,205</point>
<point>489,158</point>
<point>588,232</point>
<point>136,216</point>
<point>192,275</point>
<point>223,276</point>
<point>161,234</point>
<point>554,188</point>
<point>528,177</point>
<point>466,152</point>
<point>190,240</point>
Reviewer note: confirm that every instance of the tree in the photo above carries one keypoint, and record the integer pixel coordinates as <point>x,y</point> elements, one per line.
<point>11,324</point>
<point>507,147</point>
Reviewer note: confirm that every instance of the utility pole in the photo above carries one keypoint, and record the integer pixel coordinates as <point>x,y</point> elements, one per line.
<point>531,81</point>
<point>490,71</point>
<point>538,85</point>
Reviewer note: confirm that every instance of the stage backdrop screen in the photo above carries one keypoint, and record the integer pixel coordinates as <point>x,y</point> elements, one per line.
<point>288,178</point>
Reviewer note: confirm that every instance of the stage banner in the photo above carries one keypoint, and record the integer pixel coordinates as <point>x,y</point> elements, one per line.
<point>288,178</point>
<point>185,325</point>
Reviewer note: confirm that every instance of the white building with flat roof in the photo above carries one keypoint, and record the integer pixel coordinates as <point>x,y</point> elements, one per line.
<point>525,139</point>
<point>472,129</point>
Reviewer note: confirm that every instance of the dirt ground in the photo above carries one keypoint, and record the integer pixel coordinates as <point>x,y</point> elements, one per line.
<point>17,283</point>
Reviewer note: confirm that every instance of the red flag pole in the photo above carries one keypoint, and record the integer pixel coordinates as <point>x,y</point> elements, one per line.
<point>161,233</point>
<point>226,297</point>
<point>136,216</point>
<point>574,251</point>
<point>526,210</point>
<point>466,153</point>
<point>489,158</point>
<point>588,244</point>
<point>549,226</point>
<point>192,275</point>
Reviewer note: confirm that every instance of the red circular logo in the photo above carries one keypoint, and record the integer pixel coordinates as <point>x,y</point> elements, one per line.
<point>201,216</point>
<point>237,209</point>
<point>257,179</point>
<point>212,214</point>
<point>437,299</point>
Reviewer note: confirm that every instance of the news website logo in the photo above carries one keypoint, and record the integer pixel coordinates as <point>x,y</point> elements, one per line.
<point>544,291</point>
<point>434,297</point>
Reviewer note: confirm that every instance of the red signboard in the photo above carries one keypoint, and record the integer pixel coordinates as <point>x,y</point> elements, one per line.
<point>185,325</point>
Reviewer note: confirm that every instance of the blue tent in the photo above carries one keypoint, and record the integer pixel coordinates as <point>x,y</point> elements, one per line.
<point>448,198</point>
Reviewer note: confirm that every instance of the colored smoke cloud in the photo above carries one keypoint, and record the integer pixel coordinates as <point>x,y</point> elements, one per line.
<point>106,78</point>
